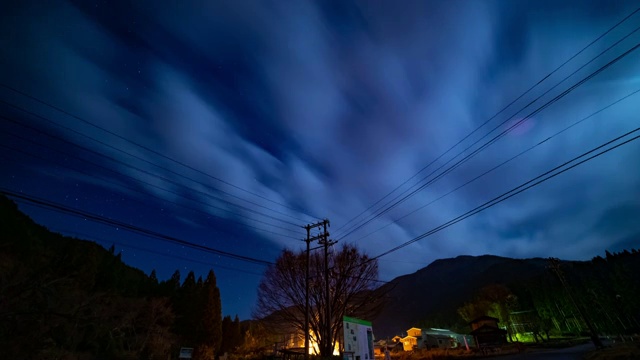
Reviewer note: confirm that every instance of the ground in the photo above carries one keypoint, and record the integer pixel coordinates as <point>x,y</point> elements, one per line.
<point>617,351</point>
<point>567,350</point>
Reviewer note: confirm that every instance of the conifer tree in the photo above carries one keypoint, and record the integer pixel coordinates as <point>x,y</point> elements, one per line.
<point>209,331</point>
<point>189,285</point>
<point>188,310</point>
<point>153,277</point>
<point>174,281</point>
<point>236,334</point>
<point>227,335</point>
<point>170,287</point>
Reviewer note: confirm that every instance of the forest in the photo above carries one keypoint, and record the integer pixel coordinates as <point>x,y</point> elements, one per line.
<point>67,298</point>
<point>563,300</point>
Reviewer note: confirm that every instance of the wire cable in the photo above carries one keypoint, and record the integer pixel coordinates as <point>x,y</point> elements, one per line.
<point>489,143</point>
<point>85,237</point>
<point>493,140</point>
<point>132,228</point>
<point>560,169</point>
<point>152,163</point>
<point>493,117</point>
<point>160,177</point>
<point>503,163</point>
<point>140,191</point>
<point>59,109</point>
<point>135,180</point>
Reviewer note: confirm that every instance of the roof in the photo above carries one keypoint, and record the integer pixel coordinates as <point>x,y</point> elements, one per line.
<point>438,336</point>
<point>482,318</point>
<point>486,329</point>
<point>433,331</point>
<point>356,321</point>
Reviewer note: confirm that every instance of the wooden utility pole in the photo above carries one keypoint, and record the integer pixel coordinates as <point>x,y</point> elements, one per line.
<point>308,240</point>
<point>555,266</point>
<point>328,333</point>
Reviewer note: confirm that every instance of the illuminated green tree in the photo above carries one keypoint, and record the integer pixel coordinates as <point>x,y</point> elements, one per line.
<point>494,300</point>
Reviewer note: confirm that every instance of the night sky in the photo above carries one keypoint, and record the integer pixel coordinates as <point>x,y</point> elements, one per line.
<point>231,124</point>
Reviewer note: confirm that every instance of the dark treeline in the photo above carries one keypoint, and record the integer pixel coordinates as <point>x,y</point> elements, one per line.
<point>67,298</point>
<point>604,291</point>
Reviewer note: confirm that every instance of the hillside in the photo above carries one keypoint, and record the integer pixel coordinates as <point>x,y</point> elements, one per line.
<point>64,296</point>
<point>431,296</point>
<point>68,298</point>
<point>27,248</point>
<point>444,285</point>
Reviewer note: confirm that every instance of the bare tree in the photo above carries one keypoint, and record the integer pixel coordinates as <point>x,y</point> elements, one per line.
<point>353,292</point>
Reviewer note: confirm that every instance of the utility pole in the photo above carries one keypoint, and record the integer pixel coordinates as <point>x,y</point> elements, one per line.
<point>555,266</point>
<point>328,333</point>
<point>308,240</point>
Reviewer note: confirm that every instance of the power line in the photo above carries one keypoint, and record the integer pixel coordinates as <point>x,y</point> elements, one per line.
<point>149,149</point>
<point>132,228</point>
<point>520,188</point>
<point>142,192</point>
<point>502,164</point>
<point>146,183</point>
<point>156,176</point>
<point>493,140</point>
<point>147,161</point>
<point>497,137</point>
<point>107,242</point>
<point>494,116</point>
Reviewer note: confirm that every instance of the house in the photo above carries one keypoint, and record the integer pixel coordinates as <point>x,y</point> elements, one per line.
<point>439,338</point>
<point>418,338</point>
<point>482,321</point>
<point>395,344</point>
<point>413,340</point>
<point>291,346</point>
<point>381,345</point>
<point>291,343</point>
<point>444,339</point>
<point>487,333</point>
<point>415,332</point>
<point>358,340</point>
<point>432,341</point>
<point>409,342</point>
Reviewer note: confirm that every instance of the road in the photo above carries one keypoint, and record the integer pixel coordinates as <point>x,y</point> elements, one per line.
<point>572,353</point>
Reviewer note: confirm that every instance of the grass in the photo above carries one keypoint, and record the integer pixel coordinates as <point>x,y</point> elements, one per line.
<point>559,342</point>
<point>510,348</point>
<point>433,354</point>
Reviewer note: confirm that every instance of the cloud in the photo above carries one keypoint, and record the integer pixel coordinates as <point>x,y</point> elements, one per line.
<point>328,107</point>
